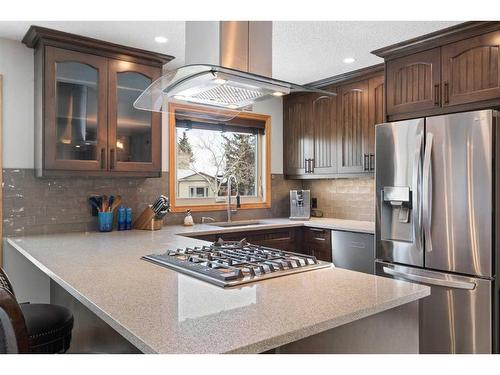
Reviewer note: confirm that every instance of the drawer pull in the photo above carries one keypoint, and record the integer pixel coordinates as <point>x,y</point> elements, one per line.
<point>317,230</point>
<point>319,239</point>
<point>359,245</point>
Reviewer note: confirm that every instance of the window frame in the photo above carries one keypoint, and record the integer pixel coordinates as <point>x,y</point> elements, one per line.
<point>172,152</point>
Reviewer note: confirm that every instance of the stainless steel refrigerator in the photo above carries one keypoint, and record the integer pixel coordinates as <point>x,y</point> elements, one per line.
<point>436,214</point>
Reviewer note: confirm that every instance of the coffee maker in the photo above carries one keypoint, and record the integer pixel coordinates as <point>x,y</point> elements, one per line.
<point>300,204</point>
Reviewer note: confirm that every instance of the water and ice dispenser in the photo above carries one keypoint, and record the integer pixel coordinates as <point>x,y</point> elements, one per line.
<point>396,208</point>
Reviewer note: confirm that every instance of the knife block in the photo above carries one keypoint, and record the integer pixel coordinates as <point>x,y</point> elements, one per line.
<point>147,221</point>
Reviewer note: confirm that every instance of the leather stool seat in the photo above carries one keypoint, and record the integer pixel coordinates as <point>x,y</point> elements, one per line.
<point>49,327</point>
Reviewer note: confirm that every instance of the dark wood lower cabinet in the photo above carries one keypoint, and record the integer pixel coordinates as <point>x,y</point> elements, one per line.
<point>287,239</point>
<point>317,242</point>
<point>309,241</point>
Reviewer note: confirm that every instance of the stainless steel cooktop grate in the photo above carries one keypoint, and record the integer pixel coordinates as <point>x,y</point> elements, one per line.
<point>235,262</point>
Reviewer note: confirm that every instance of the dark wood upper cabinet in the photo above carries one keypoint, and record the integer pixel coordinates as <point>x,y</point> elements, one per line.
<point>334,136</point>
<point>351,129</point>
<point>85,120</point>
<point>324,140</point>
<point>134,135</point>
<point>309,135</point>
<point>456,69</point>
<point>75,107</point>
<point>471,69</point>
<point>413,82</point>
<point>376,115</point>
<point>297,134</point>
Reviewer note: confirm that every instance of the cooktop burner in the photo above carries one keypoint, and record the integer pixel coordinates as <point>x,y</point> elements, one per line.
<point>230,263</point>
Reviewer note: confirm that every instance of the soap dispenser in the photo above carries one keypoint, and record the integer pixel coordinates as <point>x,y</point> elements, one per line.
<point>188,220</point>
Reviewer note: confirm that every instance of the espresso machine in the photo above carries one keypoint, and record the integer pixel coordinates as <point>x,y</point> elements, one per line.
<point>300,204</point>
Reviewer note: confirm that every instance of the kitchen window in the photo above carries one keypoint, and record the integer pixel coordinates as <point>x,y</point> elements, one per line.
<point>204,152</point>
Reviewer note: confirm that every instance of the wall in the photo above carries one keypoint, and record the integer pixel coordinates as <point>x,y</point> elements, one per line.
<point>352,199</point>
<point>16,64</point>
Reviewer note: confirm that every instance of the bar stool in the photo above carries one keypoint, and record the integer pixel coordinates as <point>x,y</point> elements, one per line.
<point>32,327</point>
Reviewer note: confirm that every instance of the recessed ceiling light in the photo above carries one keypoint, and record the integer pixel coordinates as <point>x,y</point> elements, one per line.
<point>161,39</point>
<point>179,97</point>
<point>348,60</point>
<point>220,81</point>
<point>278,93</point>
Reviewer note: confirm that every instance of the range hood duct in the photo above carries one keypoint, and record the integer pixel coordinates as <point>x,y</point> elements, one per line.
<point>229,69</point>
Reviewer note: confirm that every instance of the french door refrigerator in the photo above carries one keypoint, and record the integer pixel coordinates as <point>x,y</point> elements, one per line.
<point>436,207</point>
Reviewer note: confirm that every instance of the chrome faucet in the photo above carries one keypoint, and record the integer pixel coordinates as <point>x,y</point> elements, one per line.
<point>229,209</point>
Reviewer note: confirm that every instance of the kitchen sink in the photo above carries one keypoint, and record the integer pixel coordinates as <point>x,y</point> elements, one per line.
<point>240,223</point>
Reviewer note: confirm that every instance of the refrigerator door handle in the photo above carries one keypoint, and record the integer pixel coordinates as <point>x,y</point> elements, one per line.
<point>417,178</point>
<point>427,192</point>
<point>430,280</point>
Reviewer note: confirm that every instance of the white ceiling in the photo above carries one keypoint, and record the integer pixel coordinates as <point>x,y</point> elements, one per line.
<point>302,51</point>
<point>308,51</point>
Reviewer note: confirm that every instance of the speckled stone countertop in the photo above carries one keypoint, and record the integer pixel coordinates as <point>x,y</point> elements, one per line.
<point>162,311</point>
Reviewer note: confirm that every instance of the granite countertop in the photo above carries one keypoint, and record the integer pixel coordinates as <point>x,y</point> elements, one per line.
<point>162,311</point>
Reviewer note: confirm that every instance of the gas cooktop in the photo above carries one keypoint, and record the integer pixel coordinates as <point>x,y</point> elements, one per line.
<point>231,263</point>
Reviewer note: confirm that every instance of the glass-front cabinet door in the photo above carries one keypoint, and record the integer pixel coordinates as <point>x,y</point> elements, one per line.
<point>75,111</point>
<point>134,135</point>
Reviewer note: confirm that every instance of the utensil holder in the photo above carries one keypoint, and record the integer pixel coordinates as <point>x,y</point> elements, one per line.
<point>105,221</point>
<point>147,221</point>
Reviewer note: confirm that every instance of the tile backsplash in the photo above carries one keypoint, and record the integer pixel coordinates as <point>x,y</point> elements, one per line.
<point>50,205</point>
<point>352,199</point>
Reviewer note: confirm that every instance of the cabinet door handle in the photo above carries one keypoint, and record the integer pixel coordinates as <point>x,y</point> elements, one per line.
<point>365,162</point>
<point>319,239</point>
<point>436,94</point>
<point>446,92</point>
<point>305,166</point>
<point>112,158</point>
<point>312,165</point>
<point>372,162</point>
<point>103,158</point>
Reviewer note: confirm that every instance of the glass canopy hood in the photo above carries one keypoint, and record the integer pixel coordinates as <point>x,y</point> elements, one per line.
<point>226,91</point>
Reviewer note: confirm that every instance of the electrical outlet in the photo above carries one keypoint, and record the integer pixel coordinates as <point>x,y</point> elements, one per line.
<point>314,202</point>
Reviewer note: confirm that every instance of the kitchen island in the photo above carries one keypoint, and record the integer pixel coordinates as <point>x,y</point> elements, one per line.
<point>158,310</point>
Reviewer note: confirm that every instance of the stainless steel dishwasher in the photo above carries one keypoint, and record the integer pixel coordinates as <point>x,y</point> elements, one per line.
<point>353,251</point>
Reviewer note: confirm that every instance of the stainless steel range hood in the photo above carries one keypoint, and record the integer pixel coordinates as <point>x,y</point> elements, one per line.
<point>230,71</point>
